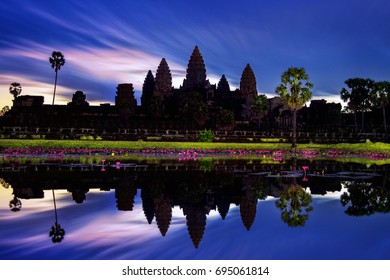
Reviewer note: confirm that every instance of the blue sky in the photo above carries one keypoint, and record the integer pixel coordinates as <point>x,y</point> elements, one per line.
<point>110,42</point>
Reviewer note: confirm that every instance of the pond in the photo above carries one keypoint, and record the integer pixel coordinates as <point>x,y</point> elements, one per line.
<point>209,208</point>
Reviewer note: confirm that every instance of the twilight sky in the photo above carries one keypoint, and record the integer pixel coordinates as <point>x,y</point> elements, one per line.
<point>110,42</point>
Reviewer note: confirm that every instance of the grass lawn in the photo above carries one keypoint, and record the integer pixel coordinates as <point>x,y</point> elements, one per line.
<point>136,145</point>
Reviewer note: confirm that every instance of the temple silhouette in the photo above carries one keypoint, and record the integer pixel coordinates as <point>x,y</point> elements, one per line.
<point>195,105</point>
<point>198,193</point>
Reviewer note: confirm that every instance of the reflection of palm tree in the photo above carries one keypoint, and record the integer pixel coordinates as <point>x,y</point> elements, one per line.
<point>15,204</point>
<point>56,233</point>
<point>295,205</point>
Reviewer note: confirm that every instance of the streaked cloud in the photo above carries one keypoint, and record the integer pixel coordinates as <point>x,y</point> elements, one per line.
<point>106,43</point>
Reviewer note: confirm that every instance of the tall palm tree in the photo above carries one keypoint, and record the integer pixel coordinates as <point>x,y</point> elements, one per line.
<point>381,98</point>
<point>294,92</point>
<point>56,60</point>
<point>15,89</point>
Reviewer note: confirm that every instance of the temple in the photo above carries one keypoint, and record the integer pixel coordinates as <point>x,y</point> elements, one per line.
<point>195,105</point>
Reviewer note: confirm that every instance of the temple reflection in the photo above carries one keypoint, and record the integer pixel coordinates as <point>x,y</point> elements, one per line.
<point>200,188</point>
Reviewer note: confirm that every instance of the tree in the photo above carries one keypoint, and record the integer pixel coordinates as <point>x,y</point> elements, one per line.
<point>358,96</point>
<point>365,198</point>
<point>4,110</point>
<point>381,98</point>
<point>15,89</point>
<point>56,60</point>
<point>259,107</point>
<point>15,204</point>
<point>193,108</point>
<point>295,204</point>
<point>225,119</point>
<point>294,92</point>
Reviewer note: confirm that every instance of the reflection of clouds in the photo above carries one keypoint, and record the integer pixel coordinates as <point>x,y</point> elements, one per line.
<point>97,230</point>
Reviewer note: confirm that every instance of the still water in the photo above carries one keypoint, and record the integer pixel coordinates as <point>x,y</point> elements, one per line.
<point>206,209</point>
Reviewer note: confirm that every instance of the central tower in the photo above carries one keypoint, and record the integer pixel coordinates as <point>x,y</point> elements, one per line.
<point>196,72</point>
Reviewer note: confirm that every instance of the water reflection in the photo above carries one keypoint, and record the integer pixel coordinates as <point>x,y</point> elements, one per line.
<point>201,188</point>
<point>295,204</point>
<point>57,233</point>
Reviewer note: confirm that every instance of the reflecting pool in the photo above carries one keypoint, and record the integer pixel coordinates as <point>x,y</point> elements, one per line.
<point>205,209</point>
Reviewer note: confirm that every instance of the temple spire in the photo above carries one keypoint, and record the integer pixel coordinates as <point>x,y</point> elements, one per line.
<point>196,72</point>
<point>248,87</point>
<point>223,85</point>
<point>163,80</point>
<point>147,90</point>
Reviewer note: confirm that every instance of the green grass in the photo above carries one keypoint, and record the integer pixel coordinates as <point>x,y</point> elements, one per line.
<point>40,143</point>
<point>28,143</point>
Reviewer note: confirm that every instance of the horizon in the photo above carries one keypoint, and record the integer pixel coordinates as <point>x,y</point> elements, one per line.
<point>106,44</point>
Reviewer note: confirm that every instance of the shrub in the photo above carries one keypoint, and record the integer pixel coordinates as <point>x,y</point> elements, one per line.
<point>206,135</point>
<point>87,137</point>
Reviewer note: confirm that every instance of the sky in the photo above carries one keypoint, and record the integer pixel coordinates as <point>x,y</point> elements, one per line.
<point>106,43</point>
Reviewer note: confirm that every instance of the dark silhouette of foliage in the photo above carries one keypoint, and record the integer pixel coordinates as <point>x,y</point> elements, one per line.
<point>364,199</point>
<point>15,204</point>
<point>56,60</point>
<point>4,110</point>
<point>57,233</point>
<point>381,99</point>
<point>193,109</point>
<point>15,89</point>
<point>259,107</point>
<point>225,119</point>
<point>358,96</point>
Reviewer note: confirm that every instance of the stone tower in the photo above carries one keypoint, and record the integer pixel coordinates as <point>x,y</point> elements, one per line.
<point>125,101</point>
<point>79,99</point>
<point>223,85</point>
<point>163,80</point>
<point>196,72</point>
<point>163,207</point>
<point>248,86</point>
<point>248,210</point>
<point>196,223</point>
<point>147,90</point>
<point>125,96</point>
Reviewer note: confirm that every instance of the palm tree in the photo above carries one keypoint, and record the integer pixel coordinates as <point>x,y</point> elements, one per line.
<point>15,204</point>
<point>381,98</point>
<point>15,89</point>
<point>358,96</point>
<point>295,204</point>
<point>57,233</point>
<point>294,92</point>
<point>56,60</point>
